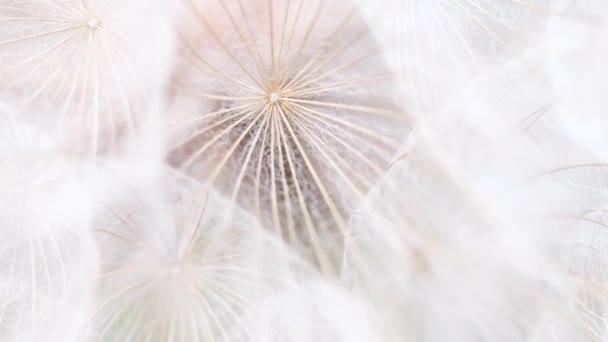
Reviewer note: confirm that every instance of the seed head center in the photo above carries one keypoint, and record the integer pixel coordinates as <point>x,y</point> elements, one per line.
<point>93,23</point>
<point>274,98</point>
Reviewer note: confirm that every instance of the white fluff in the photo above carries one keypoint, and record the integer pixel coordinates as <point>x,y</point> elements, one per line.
<point>89,62</point>
<point>286,107</point>
<point>323,170</point>
<point>48,259</point>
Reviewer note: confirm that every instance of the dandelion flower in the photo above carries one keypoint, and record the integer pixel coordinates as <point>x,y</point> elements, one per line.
<point>285,106</point>
<point>170,275</point>
<point>87,61</point>
<point>47,256</point>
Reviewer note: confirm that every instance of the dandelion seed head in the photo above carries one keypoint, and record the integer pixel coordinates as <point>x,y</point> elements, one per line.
<point>283,107</point>
<point>466,38</point>
<point>182,278</point>
<point>46,219</point>
<point>90,65</point>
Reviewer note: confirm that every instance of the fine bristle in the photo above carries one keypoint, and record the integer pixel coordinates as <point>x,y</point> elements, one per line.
<point>303,170</point>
